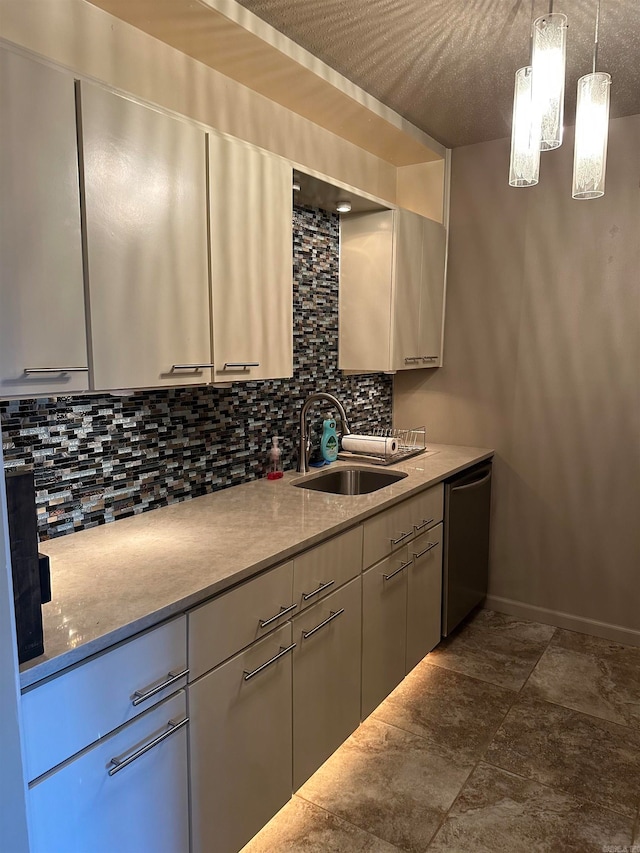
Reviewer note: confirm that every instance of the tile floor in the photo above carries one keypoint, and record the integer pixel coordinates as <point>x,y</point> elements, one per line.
<point>510,736</point>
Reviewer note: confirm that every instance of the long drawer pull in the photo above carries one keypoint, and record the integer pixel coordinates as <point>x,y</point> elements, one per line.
<point>397,571</point>
<point>119,764</point>
<point>172,677</point>
<point>432,545</point>
<point>29,370</point>
<point>424,524</point>
<point>333,615</point>
<point>401,538</point>
<point>194,367</point>
<point>412,359</point>
<point>307,595</point>
<point>281,653</point>
<point>240,365</point>
<point>283,610</point>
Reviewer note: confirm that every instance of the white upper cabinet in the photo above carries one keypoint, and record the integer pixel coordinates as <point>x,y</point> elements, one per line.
<point>391,291</point>
<point>251,262</point>
<point>146,232</point>
<point>43,347</point>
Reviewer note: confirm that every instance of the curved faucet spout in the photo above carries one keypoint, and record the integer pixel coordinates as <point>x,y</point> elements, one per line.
<point>305,441</point>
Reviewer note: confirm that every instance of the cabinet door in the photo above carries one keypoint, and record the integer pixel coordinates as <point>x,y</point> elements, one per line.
<point>424,595</point>
<point>240,745</point>
<point>251,262</point>
<point>42,317</point>
<point>143,806</point>
<point>384,623</point>
<point>145,187</point>
<point>407,351</point>
<point>326,678</point>
<point>432,292</point>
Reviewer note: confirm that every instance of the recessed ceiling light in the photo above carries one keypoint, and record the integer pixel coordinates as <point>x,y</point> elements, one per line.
<point>343,206</point>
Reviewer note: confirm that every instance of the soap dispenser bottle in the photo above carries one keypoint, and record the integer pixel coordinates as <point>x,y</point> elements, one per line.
<point>329,441</point>
<point>274,467</point>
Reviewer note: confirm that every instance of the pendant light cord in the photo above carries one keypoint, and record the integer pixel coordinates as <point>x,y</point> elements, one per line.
<point>595,42</point>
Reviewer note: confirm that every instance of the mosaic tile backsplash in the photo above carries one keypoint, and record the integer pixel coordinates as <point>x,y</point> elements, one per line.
<point>98,458</point>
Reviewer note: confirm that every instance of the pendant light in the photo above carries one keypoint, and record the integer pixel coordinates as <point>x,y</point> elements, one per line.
<point>592,129</point>
<point>548,60</point>
<point>524,165</point>
<point>524,168</point>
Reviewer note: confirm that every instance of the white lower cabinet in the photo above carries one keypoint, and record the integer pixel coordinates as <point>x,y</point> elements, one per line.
<point>128,793</point>
<point>384,619</point>
<point>326,678</point>
<point>424,595</point>
<point>241,744</point>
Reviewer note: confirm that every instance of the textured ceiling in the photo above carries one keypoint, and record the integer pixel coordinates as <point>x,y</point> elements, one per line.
<point>448,65</point>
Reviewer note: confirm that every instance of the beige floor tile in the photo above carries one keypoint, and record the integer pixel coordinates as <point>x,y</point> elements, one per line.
<point>389,782</point>
<point>494,647</point>
<point>595,760</point>
<point>498,812</point>
<point>301,827</point>
<point>457,714</point>
<point>589,674</point>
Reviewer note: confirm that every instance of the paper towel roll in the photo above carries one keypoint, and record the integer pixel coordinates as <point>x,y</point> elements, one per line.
<point>370,444</point>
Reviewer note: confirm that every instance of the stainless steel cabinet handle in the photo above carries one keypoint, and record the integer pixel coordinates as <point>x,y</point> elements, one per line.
<point>202,366</point>
<point>120,763</point>
<point>240,365</point>
<point>429,357</point>
<point>307,595</point>
<point>333,615</point>
<point>397,571</point>
<point>281,653</point>
<point>412,359</point>
<point>283,610</point>
<point>172,677</point>
<point>401,537</point>
<point>426,550</point>
<point>424,524</point>
<point>29,370</point>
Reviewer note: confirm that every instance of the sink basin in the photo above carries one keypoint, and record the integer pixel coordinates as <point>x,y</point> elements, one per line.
<point>350,481</point>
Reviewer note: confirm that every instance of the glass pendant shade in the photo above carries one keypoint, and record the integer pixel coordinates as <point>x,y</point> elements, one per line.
<point>548,61</point>
<point>524,168</point>
<point>592,131</point>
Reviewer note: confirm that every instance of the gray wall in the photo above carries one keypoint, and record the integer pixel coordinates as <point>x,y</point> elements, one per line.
<point>542,363</point>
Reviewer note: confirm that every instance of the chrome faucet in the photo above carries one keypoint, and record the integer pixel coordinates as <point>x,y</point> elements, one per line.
<point>305,438</point>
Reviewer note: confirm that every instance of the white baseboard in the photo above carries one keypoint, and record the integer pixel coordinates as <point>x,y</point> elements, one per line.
<point>627,636</point>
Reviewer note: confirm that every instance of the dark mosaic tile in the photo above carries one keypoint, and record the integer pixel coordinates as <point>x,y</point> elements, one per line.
<point>153,448</point>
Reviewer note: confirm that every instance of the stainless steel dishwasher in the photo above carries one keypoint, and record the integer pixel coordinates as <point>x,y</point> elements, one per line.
<point>467,506</point>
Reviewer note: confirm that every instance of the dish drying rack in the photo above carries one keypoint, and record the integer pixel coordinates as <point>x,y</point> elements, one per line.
<point>411,442</point>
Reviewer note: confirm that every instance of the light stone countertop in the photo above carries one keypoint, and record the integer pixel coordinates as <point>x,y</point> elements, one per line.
<point>113,581</point>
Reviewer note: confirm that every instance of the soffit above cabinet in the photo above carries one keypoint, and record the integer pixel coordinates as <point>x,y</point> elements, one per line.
<point>227,37</point>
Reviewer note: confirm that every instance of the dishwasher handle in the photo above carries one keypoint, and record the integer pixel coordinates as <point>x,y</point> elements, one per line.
<point>472,484</point>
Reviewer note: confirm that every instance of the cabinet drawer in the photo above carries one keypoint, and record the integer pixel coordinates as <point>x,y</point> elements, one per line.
<point>240,744</point>
<point>80,808</point>
<point>424,595</point>
<point>326,678</point>
<point>325,568</point>
<point>427,508</point>
<point>66,714</point>
<point>233,620</point>
<point>384,628</point>
<point>388,531</point>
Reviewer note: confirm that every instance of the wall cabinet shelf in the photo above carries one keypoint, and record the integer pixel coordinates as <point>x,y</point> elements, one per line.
<point>392,283</point>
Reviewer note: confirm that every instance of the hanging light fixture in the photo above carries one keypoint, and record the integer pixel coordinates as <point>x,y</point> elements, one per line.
<point>592,129</point>
<point>548,60</point>
<point>524,168</point>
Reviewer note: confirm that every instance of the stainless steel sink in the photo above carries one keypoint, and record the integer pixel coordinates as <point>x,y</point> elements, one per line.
<point>350,481</point>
